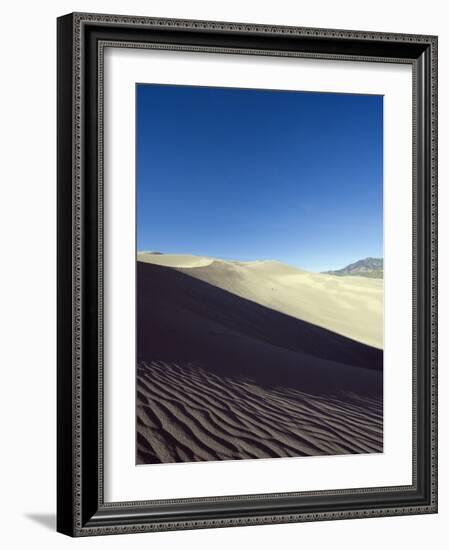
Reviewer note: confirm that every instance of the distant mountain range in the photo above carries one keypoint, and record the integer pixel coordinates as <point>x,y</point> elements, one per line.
<point>369,267</point>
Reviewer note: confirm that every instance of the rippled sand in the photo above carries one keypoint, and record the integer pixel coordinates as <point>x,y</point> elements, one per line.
<point>186,413</point>
<point>221,376</point>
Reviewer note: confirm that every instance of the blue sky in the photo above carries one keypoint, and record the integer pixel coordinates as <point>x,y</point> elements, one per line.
<point>260,174</point>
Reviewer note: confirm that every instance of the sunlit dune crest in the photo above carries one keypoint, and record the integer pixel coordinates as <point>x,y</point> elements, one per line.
<point>183,261</point>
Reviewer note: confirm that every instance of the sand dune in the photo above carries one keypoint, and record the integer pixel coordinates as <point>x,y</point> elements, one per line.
<point>222,377</point>
<point>186,413</point>
<point>181,319</point>
<point>350,306</point>
<point>174,260</point>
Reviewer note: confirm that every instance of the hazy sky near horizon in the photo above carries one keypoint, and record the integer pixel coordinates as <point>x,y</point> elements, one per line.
<point>260,174</point>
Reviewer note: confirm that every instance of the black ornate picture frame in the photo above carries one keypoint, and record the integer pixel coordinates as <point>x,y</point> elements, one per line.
<point>81,508</point>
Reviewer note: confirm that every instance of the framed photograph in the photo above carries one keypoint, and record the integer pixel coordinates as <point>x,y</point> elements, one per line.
<point>247,280</point>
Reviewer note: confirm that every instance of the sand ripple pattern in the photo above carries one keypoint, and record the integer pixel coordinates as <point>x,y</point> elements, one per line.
<point>186,413</point>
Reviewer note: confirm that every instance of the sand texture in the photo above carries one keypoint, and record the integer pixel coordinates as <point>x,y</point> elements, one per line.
<point>222,376</point>
<point>187,413</point>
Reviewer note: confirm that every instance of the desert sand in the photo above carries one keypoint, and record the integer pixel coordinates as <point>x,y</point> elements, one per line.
<point>222,375</point>
<point>174,260</point>
<point>350,306</point>
<point>187,413</point>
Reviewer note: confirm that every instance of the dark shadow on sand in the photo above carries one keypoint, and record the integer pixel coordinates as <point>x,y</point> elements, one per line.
<point>181,319</point>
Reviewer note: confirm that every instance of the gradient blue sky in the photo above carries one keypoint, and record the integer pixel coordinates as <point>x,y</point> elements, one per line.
<point>260,174</point>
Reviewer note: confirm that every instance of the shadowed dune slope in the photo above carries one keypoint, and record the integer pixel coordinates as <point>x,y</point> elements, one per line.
<point>349,306</point>
<point>281,386</point>
<point>181,318</point>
